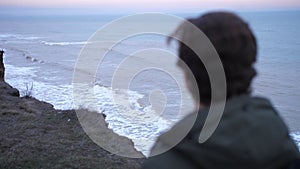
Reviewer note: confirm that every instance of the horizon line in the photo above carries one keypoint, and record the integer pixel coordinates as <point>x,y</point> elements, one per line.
<point>34,10</point>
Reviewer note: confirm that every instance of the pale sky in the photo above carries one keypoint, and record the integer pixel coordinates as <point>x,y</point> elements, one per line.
<point>155,5</point>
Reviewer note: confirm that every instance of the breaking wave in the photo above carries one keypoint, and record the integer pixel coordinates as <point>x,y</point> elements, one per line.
<point>63,43</point>
<point>18,36</point>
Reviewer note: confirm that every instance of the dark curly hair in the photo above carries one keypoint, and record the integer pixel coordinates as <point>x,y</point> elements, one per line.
<point>237,49</point>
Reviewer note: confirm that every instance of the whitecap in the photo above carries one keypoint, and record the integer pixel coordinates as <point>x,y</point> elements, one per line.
<point>63,43</point>
<point>296,137</point>
<point>19,37</point>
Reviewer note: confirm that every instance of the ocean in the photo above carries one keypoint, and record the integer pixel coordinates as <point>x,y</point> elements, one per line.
<point>41,53</point>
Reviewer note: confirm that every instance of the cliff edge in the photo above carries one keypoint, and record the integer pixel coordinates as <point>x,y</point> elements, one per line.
<point>35,135</point>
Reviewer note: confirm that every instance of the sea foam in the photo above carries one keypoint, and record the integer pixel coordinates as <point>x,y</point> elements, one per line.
<point>63,43</point>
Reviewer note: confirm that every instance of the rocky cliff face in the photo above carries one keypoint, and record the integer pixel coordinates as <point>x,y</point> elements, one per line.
<point>5,88</point>
<point>2,69</point>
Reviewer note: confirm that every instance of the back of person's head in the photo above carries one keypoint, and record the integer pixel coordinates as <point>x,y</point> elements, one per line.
<point>236,46</point>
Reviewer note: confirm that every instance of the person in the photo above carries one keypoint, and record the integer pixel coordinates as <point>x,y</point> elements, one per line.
<point>251,133</point>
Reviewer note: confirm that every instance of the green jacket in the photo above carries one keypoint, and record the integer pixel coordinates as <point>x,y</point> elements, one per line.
<point>250,135</point>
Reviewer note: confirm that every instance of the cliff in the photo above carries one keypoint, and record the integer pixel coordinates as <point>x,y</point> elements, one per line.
<point>2,69</point>
<point>35,135</point>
